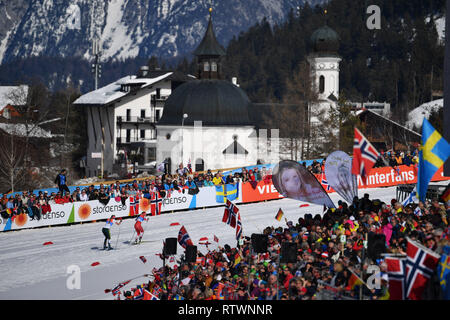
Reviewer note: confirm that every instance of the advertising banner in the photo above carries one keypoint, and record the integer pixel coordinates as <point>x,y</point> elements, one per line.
<point>294,181</point>
<point>206,197</point>
<point>338,174</point>
<point>67,213</point>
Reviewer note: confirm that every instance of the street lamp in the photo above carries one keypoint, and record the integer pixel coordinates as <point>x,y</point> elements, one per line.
<point>182,136</point>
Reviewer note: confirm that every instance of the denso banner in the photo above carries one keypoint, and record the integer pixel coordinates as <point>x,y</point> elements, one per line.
<point>68,213</point>
<point>206,197</point>
<point>60,214</point>
<point>95,210</point>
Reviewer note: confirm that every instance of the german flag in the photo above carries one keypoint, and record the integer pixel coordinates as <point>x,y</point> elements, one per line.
<point>279,214</point>
<point>446,195</point>
<point>353,281</point>
<point>237,259</point>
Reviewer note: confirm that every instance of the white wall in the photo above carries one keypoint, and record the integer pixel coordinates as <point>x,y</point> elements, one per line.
<point>206,143</point>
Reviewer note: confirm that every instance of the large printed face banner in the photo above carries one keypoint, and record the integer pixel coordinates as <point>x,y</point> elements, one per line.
<point>338,173</point>
<point>294,181</point>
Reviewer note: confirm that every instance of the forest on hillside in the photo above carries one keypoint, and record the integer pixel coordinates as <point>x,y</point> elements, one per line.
<point>402,63</point>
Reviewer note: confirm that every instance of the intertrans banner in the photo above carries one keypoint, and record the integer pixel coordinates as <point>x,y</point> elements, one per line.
<point>79,212</point>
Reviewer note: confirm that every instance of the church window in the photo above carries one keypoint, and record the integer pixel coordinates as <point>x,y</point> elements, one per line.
<point>206,66</point>
<point>321,84</point>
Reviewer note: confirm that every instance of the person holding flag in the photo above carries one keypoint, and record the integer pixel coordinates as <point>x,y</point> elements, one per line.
<point>138,227</point>
<point>434,151</point>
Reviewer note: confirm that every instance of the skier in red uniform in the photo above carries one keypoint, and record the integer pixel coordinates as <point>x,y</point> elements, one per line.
<point>138,227</point>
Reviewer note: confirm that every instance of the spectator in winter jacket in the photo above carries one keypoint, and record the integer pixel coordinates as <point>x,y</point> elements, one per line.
<point>84,196</point>
<point>393,162</point>
<point>61,181</point>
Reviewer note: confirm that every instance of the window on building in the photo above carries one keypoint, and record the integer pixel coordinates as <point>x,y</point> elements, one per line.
<point>158,115</point>
<point>152,154</point>
<point>142,133</point>
<point>142,113</point>
<point>321,84</point>
<point>158,93</point>
<point>206,66</point>
<point>213,66</point>
<point>128,135</point>
<point>128,114</point>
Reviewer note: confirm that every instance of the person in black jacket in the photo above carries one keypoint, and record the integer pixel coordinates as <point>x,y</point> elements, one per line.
<point>61,181</point>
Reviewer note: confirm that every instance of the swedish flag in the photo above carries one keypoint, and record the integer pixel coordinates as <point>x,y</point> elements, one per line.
<point>434,151</point>
<point>443,271</point>
<point>227,191</point>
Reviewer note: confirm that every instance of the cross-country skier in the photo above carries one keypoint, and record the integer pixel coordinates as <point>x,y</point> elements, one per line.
<point>106,231</point>
<point>138,227</point>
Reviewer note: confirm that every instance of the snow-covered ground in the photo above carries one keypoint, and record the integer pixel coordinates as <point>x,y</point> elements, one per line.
<point>31,270</point>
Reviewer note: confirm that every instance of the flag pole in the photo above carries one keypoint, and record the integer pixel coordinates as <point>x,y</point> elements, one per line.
<point>278,272</point>
<point>363,258</point>
<point>249,267</point>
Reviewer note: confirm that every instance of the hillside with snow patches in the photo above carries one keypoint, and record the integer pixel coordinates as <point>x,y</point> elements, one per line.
<point>126,28</point>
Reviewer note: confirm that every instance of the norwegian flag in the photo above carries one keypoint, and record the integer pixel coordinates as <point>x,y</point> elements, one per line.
<point>364,156</point>
<point>183,238</point>
<point>149,296</point>
<point>396,272</point>
<point>325,182</point>
<point>421,263</point>
<point>155,203</point>
<point>238,227</point>
<point>216,239</point>
<point>229,216</point>
<point>138,293</point>
<point>133,206</point>
<point>136,204</point>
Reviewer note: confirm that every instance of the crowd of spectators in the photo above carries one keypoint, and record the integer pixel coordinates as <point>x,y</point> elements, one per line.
<point>324,265</point>
<point>396,158</point>
<point>183,180</point>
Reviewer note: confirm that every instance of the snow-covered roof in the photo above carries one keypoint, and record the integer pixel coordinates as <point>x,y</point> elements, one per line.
<point>111,92</point>
<point>415,117</point>
<point>13,95</point>
<point>20,129</point>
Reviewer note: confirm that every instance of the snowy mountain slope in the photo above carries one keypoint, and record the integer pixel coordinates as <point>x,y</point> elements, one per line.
<point>35,271</point>
<point>126,28</point>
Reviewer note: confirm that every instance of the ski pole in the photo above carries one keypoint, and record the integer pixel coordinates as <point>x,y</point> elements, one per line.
<point>129,242</point>
<point>118,235</point>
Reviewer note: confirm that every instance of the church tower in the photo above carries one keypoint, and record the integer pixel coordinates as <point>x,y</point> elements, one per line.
<point>209,54</point>
<point>324,62</point>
